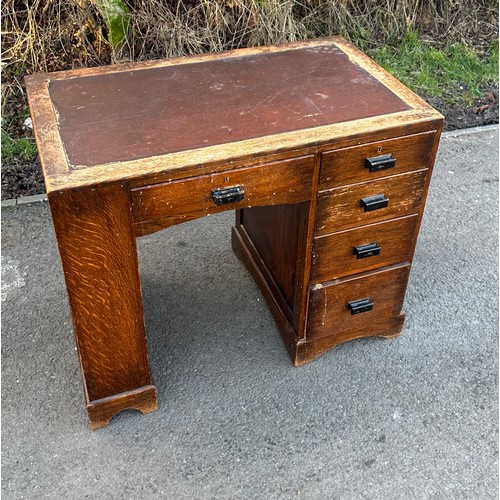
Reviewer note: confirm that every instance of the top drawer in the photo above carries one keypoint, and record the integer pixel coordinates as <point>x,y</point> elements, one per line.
<point>349,165</point>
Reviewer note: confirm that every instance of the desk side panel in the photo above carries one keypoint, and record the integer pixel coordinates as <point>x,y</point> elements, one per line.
<point>99,258</point>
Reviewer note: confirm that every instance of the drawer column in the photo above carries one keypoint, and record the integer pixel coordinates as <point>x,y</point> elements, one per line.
<point>99,257</point>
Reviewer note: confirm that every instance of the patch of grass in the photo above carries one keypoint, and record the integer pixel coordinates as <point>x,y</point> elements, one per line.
<point>17,151</point>
<point>454,72</point>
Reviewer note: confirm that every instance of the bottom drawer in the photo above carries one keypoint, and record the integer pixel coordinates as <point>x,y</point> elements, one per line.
<point>358,306</point>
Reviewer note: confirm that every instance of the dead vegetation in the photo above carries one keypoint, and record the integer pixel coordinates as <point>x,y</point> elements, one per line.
<point>47,35</point>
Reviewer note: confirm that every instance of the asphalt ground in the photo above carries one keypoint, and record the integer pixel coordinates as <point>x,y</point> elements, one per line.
<point>411,417</point>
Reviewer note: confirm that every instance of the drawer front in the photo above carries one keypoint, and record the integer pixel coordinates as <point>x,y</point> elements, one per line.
<point>357,204</point>
<point>276,183</point>
<point>362,249</point>
<point>376,159</point>
<point>330,314</point>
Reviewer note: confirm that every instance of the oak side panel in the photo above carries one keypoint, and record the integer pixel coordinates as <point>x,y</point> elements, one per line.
<point>99,258</point>
<point>426,187</point>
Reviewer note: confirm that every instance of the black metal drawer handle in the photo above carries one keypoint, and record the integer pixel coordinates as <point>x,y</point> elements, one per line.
<point>374,202</point>
<point>382,162</point>
<point>368,250</point>
<point>228,195</point>
<point>360,306</point>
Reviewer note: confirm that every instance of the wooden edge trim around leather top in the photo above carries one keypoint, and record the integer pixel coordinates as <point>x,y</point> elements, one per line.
<point>46,129</point>
<point>59,177</point>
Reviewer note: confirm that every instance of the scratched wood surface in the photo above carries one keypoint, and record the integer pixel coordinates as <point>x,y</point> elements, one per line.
<point>130,149</point>
<point>162,205</point>
<point>347,165</point>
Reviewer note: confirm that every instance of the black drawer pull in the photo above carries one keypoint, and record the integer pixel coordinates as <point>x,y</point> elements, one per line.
<point>228,195</point>
<point>382,162</point>
<point>360,306</point>
<point>374,202</point>
<point>368,250</point>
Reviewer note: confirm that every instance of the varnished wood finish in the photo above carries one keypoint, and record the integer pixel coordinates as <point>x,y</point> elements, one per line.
<point>129,149</point>
<point>306,351</point>
<point>274,232</point>
<point>99,258</point>
<point>162,205</point>
<point>330,316</point>
<point>333,255</point>
<point>340,208</point>
<point>103,410</point>
<point>347,165</point>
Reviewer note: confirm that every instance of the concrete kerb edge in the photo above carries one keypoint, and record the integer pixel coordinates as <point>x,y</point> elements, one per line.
<point>472,130</point>
<point>26,200</point>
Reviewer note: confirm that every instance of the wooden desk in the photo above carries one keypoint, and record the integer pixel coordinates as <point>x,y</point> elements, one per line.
<point>325,157</point>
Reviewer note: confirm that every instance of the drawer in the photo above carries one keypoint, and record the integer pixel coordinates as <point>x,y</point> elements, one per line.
<point>362,249</point>
<point>403,154</point>
<point>331,316</point>
<point>342,208</point>
<point>283,182</point>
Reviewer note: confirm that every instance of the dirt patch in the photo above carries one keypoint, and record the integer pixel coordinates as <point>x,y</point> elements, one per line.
<point>26,180</point>
<point>482,111</point>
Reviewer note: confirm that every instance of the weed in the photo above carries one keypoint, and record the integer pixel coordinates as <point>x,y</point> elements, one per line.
<point>18,151</point>
<point>454,72</point>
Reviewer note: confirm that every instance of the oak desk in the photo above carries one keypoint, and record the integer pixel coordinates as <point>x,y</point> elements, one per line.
<point>326,158</point>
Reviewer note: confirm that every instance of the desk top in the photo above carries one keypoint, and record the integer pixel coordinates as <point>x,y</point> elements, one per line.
<point>130,120</point>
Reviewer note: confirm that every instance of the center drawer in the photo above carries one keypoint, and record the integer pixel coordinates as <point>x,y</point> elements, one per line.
<point>277,183</point>
<point>359,204</point>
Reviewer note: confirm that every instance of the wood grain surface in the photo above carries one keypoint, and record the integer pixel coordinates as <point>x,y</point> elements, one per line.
<point>340,208</point>
<point>162,205</point>
<point>333,255</point>
<point>330,316</point>
<point>130,149</point>
<point>347,165</point>
<point>99,257</point>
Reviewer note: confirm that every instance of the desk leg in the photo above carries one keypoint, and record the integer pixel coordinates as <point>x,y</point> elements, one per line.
<point>99,258</point>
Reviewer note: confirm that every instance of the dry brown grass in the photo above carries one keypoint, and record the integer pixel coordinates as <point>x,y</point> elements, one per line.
<point>58,34</point>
